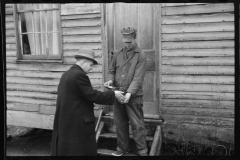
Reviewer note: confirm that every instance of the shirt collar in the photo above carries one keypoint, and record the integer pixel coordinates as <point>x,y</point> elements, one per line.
<point>136,49</point>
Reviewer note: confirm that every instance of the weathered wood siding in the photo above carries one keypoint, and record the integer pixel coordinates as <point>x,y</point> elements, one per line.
<point>32,87</point>
<point>197,51</point>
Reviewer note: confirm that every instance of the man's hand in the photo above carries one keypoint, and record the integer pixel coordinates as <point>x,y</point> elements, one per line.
<point>108,83</point>
<point>127,97</point>
<point>119,96</point>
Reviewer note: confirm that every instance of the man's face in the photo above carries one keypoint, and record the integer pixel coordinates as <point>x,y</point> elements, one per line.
<point>129,44</point>
<point>87,65</point>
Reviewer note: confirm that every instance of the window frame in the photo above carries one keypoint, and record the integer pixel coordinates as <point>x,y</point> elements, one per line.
<point>20,56</point>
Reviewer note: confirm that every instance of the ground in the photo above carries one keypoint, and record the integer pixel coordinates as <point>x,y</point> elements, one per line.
<point>23,141</point>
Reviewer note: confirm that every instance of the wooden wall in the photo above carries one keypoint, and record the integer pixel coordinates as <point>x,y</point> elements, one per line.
<point>197,69</point>
<point>32,87</point>
<point>197,51</point>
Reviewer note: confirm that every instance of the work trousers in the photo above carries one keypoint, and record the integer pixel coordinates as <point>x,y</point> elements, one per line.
<point>130,112</point>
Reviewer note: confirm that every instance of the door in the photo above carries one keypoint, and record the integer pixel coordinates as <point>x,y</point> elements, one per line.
<point>144,17</point>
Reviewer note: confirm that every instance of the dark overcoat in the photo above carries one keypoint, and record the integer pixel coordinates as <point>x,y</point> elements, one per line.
<point>74,121</point>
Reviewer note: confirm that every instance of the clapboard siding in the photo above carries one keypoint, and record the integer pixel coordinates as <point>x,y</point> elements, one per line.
<point>10,33</point>
<point>82,30</point>
<point>199,60</point>
<point>198,70</point>
<point>222,52</point>
<point>197,81</point>
<point>198,87</point>
<point>194,103</point>
<point>198,9</point>
<point>198,27</point>
<point>32,86</point>
<point>82,38</point>
<point>220,17</point>
<point>198,36</point>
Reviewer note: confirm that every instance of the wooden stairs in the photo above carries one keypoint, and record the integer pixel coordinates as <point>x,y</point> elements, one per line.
<point>154,141</point>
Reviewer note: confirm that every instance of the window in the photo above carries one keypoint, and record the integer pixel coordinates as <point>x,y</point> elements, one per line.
<point>38,31</point>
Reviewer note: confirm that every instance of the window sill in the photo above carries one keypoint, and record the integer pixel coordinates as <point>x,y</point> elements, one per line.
<point>39,61</point>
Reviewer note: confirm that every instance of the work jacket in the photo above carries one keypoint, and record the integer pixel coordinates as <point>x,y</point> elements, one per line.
<point>74,121</point>
<point>127,72</point>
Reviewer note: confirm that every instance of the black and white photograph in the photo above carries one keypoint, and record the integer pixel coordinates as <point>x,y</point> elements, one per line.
<point>120,79</point>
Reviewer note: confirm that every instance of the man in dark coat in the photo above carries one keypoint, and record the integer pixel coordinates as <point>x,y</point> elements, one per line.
<point>74,121</point>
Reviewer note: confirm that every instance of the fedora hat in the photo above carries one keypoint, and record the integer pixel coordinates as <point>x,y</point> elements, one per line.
<point>85,53</point>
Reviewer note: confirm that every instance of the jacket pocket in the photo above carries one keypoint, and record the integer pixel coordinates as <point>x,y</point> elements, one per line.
<point>89,118</point>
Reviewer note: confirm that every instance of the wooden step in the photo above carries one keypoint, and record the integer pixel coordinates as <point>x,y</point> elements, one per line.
<point>109,119</point>
<point>114,135</point>
<point>105,152</point>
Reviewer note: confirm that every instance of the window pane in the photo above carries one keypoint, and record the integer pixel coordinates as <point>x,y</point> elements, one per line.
<point>26,22</point>
<point>26,44</point>
<point>40,30</point>
<point>54,41</point>
<point>53,23</point>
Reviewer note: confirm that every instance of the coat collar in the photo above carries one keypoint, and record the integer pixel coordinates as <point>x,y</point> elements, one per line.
<point>77,67</point>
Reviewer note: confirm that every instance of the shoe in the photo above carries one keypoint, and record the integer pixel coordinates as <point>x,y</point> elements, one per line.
<point>118,153</point>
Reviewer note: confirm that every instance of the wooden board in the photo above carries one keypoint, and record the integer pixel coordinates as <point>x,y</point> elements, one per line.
<point>69,46</point>
<point>35,95</point>
<point>81,16</point>
<point>210,112</point>
<point>180,4</point>
<point>198,27</point>
<point>198,18</point>
<point>198,44</point>
<point>81,22</point>
<point>39,88</point>
<point>47,110</point>
<point>196,9</point>
<point>31,88</point>
<point>198,79</point>
<point>8,5</point>
<point>204,120</point>
<point>157,142</point>
<point>198,95</point>
<point>9,10</point>
<point>44,81</point>
<point>203,36</point>
<point>29,119</point>
<point>82,38</point>
<point>201,134</point>
<point>198,87</point>
<point>47,67</point>
<point>11,47</point>
<point>9,18</point>
<point>11,40</point>
<point>10,33</point>
<point>199,61</point>
<point>38,81</point>
<point>200,70</point>
<point>191,103</point>
<point>22,107</point>
<point>83,9</point>
<point>81,30</point>
<point>36,74</point>
<point>72,60</point>
<point>219,52</point>
<point>13,99</point>
<point>98,52</point>
<point>10,25</point>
